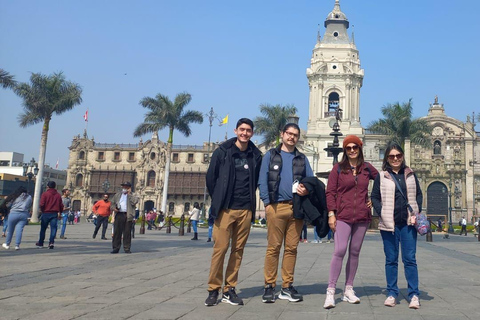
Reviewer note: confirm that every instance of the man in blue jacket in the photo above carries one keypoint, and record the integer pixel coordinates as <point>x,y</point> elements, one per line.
<point>231,182</point>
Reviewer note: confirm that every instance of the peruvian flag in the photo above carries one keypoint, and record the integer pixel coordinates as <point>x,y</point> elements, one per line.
<point>56,165</point>
<point>85,116</point>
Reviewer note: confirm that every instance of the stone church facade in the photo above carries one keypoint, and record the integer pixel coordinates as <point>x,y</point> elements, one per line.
<point>449,171</point>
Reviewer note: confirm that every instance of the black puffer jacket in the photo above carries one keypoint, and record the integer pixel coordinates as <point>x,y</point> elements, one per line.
<point>221,175</point>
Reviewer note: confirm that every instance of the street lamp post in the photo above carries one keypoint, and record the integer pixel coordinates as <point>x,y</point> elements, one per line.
<point>28,173</point>
<point>450,225</point>
<point>211,116</point>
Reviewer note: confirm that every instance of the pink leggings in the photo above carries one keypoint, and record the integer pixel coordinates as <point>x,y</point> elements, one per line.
<point>342,235</point>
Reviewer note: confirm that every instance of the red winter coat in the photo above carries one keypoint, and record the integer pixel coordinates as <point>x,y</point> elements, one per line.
<point>348,196</point>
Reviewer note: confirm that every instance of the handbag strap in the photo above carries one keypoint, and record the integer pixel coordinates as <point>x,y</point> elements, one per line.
<point>409,207</point>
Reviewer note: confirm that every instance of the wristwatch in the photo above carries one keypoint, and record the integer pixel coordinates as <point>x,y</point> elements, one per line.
<point>331,214</point>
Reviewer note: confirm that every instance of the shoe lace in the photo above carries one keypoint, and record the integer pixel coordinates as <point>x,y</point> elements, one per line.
<point>292,290</point>
<point>232,293</point>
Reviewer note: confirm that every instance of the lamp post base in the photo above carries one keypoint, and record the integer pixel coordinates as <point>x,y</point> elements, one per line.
<point>450,228</point>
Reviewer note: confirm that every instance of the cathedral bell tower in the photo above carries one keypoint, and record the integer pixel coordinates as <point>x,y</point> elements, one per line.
<point>334,78</point>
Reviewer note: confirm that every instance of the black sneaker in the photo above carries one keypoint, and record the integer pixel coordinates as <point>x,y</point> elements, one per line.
<point>212,299</point>
<point>269,295</point>
<point>290,294</point>
<point>51,246</point>
<point>231,297</point>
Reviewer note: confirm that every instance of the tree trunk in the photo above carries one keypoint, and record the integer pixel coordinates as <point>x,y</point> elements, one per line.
<point>167,171</point>
<point>39,178</point>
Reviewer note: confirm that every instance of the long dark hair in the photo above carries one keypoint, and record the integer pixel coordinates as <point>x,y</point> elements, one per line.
<point>345,164</point>
<point>392,146</point>
<point>14,195</point>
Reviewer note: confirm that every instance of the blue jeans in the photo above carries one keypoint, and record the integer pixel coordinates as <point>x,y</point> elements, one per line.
<point>194,225</point>
<point>210,231</point>
<point>16,221</point>
<point>64,223</point>
<point>406,236</point>
<point>45,220</point>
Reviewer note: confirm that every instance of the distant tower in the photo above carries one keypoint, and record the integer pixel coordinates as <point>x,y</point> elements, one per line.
<point>334,78</point>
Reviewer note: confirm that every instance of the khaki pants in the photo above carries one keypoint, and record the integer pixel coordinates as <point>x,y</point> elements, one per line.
<point>234,225</point>
<point>282,227</point>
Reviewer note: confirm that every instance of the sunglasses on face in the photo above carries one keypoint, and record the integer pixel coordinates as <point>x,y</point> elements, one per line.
<point>393,156</point>
<point>352,148</point>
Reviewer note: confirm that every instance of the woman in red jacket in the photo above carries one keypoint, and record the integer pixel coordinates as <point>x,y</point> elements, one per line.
<point>349,213</point>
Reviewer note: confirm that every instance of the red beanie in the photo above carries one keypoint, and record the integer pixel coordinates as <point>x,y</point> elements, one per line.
<point>352,139</point>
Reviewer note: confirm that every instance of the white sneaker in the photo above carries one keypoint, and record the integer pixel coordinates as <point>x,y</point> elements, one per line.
<point>390,301</point>
<point>349,295</point>
<point>5,246</point>
<point>414,303</point>
<point>17,247</point>
<point>330,299</point>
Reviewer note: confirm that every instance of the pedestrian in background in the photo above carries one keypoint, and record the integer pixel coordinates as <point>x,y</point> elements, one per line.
<point>395,189</point>
<point>51,206</point>
<point>67,207</point>
<point>194,217</point>
<point>123,204</point>
<point>349,214</point>
<point>103,211</point>
<point>19,204</point>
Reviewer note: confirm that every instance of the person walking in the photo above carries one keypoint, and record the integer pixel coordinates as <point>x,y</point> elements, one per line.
<point>463,223</point>
<point>19,204</point>
<point>395,190</point>
<point>232,179</point>
<point>282,169</point>
<point>123,204</point>
<point>102,209</point>
<point>194,216</point>
<point>51,206</point>
<point>67,207</point>
<point>349,214</point>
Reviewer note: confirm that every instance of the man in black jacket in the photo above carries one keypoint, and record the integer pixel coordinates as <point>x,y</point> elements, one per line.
<point>231,182</point>
<point>282,170</point>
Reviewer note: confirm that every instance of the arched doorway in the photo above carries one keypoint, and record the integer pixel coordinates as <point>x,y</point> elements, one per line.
<point>148,205</point>
<point>437,200</point>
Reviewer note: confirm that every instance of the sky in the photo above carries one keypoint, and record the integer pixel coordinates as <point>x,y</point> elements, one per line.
<point>229,55</point>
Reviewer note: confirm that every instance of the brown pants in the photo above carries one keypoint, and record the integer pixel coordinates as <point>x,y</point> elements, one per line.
<point>235,225</point>
<point>282,227</point>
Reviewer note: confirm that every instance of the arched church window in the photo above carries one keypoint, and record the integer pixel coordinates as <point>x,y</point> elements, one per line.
<point>333,103</point>
<point>151,178</point>
<point>81,155</point>
<point>437,147</point>
<point>79,180</point>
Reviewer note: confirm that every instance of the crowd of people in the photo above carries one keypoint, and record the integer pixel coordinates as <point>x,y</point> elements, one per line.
<point>293,198</point>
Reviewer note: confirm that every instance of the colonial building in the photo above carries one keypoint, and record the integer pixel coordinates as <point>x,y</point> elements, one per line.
<point>97,168</point>
<point>449,171</point>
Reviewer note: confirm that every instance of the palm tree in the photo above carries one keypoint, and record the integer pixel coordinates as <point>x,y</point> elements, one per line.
<point>398,125</point>
<point>43,97</point>
<point>163,113</point>
<point>273,120</point>
<point>7,81</point>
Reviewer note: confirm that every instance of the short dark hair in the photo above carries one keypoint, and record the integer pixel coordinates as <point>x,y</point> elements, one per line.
<point>391,146</point>
<point>246,121</point>
<point>291,125</point>
<point>51,184</point>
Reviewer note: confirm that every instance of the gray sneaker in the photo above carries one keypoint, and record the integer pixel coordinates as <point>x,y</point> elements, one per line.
<point>290,294</point>
<point>269,294</point>
<point>231,297</point>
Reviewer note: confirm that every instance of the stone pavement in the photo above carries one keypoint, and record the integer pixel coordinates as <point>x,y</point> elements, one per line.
<point>165,278</point>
